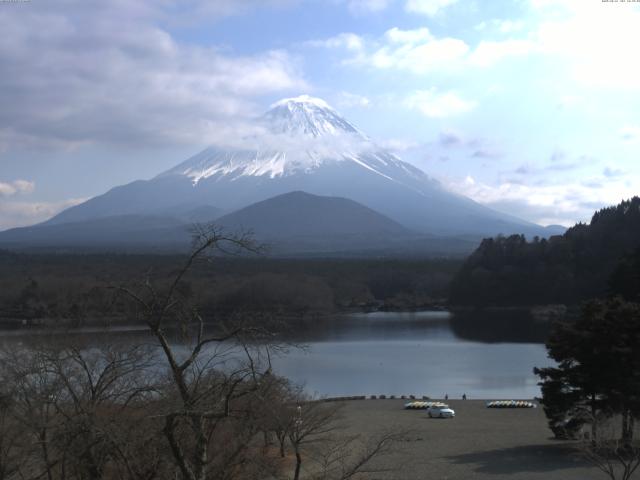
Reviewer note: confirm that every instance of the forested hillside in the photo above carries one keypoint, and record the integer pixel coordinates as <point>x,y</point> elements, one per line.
<point>563,269</point>
<point>75,288</point>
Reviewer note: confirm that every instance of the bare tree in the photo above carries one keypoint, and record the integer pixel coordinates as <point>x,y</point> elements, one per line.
<point>206,425</point>
<point>317,433</point>
<point>312,423</point>
<point>617,458</point>
<point>32,395</point>
<point>279,413</point>
<point>12,441</point>
<point>349,457</point>
<point>72,400</point>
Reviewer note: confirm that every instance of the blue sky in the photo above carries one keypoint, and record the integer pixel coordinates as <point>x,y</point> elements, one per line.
<point>528,106</point>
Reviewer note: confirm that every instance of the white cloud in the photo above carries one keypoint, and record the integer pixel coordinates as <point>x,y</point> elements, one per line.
<point>569,101</point>
<point>396,35</point>
<point>500,25</point>
<point>16,212</point>
<point>8,189</point>
<point>630,133</point>
<point>415,50</point>
<point>488,53</point>
<point>420,52</point>
<point>349,41</point>
<point>562,203</point>
<point>427,7</point>
<point>509,26</point>
<point>561,4</point>
<point>594,41</point>
<point>612,172</point>
<point>82,83</point>
<point>351,100</point>
<point>399,144</point>
<point>597,40</point>
<point>432,103</point>
<point>19,214</point>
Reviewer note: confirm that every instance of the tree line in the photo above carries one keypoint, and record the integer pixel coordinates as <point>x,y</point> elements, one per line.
<point>568,269</point>
<point>65,289</point>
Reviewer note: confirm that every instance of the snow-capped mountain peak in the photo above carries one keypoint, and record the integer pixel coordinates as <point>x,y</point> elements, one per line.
<point>306,115</point>
<point>302,144</point>
<point>300,100</point>
<point>302,135</point>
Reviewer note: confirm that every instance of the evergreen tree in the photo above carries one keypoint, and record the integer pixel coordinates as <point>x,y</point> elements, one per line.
<point>598,367</point>
<point>568,268</point>
<point>625,280</point>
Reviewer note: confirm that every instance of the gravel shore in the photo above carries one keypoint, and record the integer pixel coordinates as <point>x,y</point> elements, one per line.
<point>479,443</point>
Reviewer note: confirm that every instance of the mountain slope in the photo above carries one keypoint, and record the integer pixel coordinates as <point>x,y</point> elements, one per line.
<point>305,145</point>
<point>113,232</point>
<point>299,214</point>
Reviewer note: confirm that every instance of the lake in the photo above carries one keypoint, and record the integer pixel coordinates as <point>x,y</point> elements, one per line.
<point>428,353</point>
<point>414,353</point>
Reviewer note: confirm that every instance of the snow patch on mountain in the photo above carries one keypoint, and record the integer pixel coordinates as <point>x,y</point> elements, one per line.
<point>301,100</point>
<point>305,115</point>
<point>302,144</point>
<point>302,134</point>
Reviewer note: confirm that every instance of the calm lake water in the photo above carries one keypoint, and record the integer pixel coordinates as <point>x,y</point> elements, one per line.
<point>391,353</point>
<point>410,353</point>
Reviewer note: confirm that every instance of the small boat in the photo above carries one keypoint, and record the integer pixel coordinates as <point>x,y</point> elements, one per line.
<point>420,405</point>
<point>511,404</point>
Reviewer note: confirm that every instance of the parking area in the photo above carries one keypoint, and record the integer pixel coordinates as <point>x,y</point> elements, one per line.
<point>478,443</point>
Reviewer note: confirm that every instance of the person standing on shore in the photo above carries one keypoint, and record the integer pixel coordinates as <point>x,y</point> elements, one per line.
<point>464,396</point>
<point>446,396</point>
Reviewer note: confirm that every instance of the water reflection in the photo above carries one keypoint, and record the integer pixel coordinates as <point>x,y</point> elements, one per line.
<point>374,326</point>
<point>421,353</point>
<point>418,353</point>
<point>494,326</point>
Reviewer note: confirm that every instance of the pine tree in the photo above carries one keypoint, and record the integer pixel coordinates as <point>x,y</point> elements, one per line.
<point>598,367</point>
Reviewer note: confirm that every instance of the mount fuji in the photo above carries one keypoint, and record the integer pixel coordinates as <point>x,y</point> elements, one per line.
<point>301,145</point>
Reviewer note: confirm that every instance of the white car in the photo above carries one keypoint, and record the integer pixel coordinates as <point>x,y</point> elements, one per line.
<point>441,411</point>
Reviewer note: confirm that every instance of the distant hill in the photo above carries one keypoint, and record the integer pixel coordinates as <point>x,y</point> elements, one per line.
<point>300,214</point>
<point>300,222</point>
<point>563,269</point>
<point>292,224</point>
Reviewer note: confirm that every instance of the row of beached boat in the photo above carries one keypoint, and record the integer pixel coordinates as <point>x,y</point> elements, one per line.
<point>423,405</point>
<point>418,405</point>
<point>510,404</point>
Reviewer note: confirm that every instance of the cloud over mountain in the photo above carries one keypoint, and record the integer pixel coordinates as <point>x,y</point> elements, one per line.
<point>84,84</point>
